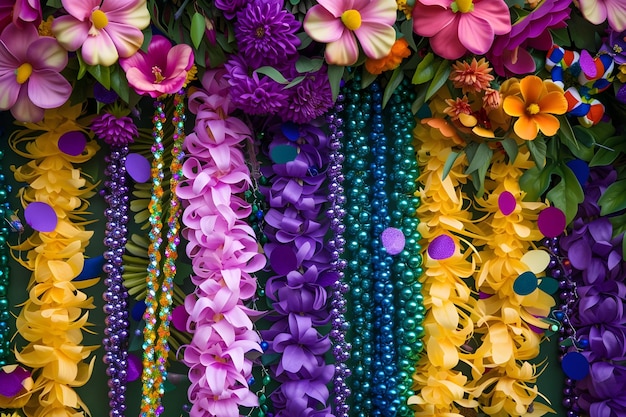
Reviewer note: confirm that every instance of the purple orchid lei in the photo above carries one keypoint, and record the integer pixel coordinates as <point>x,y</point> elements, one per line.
<point>299,257</point>
<point>599,317</point>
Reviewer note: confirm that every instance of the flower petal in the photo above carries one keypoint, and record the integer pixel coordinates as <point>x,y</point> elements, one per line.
<point>524,62</point>
<point>446,42</point>
<point>127,39</point>
<point>70,33</point>
<point>46,52</point>
<point>475,33</point>
<point>48,89</point>
<point>593,10</point>
<point>17,40</point>
<point>547,123</point>
<point>380,11</point>
<point>376,39</point>
<point>526,128</point>
<point>322,26</point>
<point>554,102</point>
<point>531,88</point>
<point>9,90</point>
<point>496,12</point>
<point>430,20</point>
<point>334,7</point>
<point>179,61</point>
<point>132,13</point>
<point>616,11</point>
<point>344,51</point>
<point>24,110</point>
<point>80,9</point>
<point>99,50</point>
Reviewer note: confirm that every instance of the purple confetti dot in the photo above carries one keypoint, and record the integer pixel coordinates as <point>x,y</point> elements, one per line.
<point>393,240</point>
<point>442,247</point>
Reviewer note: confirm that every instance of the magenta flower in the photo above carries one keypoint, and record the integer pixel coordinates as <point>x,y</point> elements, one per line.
<point>29,73</point>
<point>106,30</point>
<point>456,27</point>
<point>20,11</point>
<point>161,70</point>
<point>598,11</point>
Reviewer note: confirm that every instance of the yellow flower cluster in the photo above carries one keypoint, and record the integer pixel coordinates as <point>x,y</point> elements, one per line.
<point>53,318</point>
<point>479,335</point>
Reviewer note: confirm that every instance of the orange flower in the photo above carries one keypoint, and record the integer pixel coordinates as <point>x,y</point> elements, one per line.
<point>457,107</point>
<point>491,99</point>
<point>535,108</point>
<point>471,77</point>
<point>399,51</point>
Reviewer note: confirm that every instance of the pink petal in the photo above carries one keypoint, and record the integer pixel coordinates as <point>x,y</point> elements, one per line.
<point>496,12</point>
<point>70,33</point>
<point>616,10</point>
<point>18,40</point>
<point>376,39</point>
<point>80,9</point>
<point>344,51</point>
<point>335,7</point>
<point>594,11</point>
<point>24,110</point>
<point>48,89</point>
<point>475,33</point>
<point>322,26</point>
<point>442,3</point>
<point>132,13</point>
<point>127,39</point>
<point>179,59</point>
<point>9,90</point>
<point>430,20</point>
<point>46,52</point>
<point>446,43</point>
<point>8,62</point>
<point>99,50</point>
<point>525,63</point>
<point>381,11</point>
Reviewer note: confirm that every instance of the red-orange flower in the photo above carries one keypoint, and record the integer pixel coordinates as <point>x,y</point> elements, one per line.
<point>535,108</point>
<point>399,51</point>
<point>471,77</point>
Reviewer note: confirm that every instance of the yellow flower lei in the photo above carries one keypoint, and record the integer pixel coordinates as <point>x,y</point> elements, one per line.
<point>53,318</point>
<point>490,335</point>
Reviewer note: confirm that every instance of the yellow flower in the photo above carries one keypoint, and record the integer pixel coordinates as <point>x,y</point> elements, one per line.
<point>539,101</point>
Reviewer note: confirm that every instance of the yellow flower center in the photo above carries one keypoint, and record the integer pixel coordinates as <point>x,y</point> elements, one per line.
<point>99,19</point>
<point>463,6</point>
<point>23,72</point>
<point>533,108</point>
<point>351,19</point>
<point>158,74</point>
<point>617,49</point>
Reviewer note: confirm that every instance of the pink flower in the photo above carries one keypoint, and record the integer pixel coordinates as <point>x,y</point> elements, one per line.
<point>19,11</point>
<point>106,30</point>
<point>598,11</point>
<point>29,73</point>
<point>162,70</point>
<point>455,27</point>
<point>337,22</point>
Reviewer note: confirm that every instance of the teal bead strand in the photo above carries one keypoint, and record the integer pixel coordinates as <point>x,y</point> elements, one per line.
<point>11,223</point>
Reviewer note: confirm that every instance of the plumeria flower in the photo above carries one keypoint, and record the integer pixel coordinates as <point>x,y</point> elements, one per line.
<point>20,11</point>
<point>29,73</point>
<point>338,23</point>
<point>539,101</point>
<point>456,27</point>
<point>161,70</point>
<point>105,29</point>
<point>598,11</point>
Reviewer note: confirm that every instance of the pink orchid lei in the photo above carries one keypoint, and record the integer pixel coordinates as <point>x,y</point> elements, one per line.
<point>224,254</point>
<point>300,261</point>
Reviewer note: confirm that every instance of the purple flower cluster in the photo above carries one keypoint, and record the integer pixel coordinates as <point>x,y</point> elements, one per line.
<point>266,37</point>
<point>114,130</point>
<point>599,316</point>
<point>300,260</point>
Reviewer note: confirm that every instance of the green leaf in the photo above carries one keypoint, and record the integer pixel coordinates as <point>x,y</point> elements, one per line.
<point>608,152</point>
<point>511,149</point>
<point>305,40</point>
<point>619,224</point>
<point>452,157</point>
<point>440,78</point>
<point>425,70</point>
<point>394,82</point>
<point>335,74</point>
<point>367,79</point>
<point>538,150</point>
<point>198,25</point>
<point>567,194</point>
<point>119,84</point>
<point>623,247</point>
<point>566,134</point>
<point>478,178</point>
<point>304,64</point>
<point>406,28</point>
<point>561,37</point>
<point>582,32</point>
<point>602,131</point>
<point>534,182</point>
<point>584,136</point>
<point>481,158</point>
<point>613,199</point>
<point>420,99</point>
<point>101,74</point>
<point>147,37</point>
<point>513,3</point>
<point>82,67</point>
<point>295,81</point>
<point>273,73</point>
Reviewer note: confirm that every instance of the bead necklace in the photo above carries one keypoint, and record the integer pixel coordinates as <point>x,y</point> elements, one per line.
<point>384,372</point>
<point>406,267</point>
<point>116,332</point>
<point>357,237</point>
<point>336,213</point>
<point>14,225</point>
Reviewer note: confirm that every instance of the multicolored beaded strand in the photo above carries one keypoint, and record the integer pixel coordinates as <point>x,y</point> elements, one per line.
<point>336,213</point>
<point>154,360</point>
